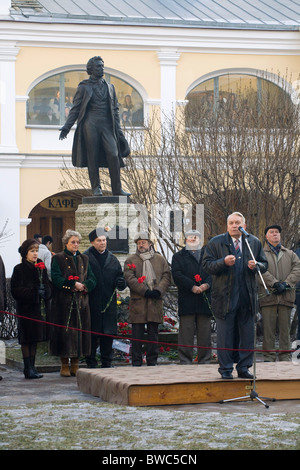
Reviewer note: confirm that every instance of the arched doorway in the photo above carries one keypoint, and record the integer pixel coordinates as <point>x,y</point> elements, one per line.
<point>54,215</point>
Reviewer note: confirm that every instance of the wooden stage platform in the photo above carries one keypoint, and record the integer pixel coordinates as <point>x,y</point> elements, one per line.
<point>178,384</point>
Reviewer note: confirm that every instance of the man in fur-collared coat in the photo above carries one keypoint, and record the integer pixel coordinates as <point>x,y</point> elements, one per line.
<point>98,139</point>
<point>148,277</point>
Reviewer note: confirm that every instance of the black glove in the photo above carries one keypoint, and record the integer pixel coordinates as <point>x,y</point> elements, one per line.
<point>121,283</point>
<point>152,294</point>
<point>42,292</point>
<point>279,287</point>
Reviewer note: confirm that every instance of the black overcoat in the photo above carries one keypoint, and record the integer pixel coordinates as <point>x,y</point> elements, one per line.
<point>106,278</point>
<point>78,112</point>
<point>223,277</point>
<point>25,283</point>
<point>184,267</point>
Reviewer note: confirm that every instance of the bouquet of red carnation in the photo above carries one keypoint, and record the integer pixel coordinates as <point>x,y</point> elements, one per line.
<point>131,266</point>
<point>141,279</point>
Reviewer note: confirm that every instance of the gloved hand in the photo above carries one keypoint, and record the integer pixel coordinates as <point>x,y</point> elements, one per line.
<point>279,287</point>
<point>152,294</point>
<point>42,291</point>
<point>121,283</point>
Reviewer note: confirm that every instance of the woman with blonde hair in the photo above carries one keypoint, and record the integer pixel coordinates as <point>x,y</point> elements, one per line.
<point>72,280</point>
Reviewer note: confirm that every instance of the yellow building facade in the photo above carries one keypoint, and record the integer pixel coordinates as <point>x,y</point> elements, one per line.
<point>159,58</point>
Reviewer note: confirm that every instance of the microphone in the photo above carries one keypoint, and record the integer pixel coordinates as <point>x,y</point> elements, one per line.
<point>243,231</point>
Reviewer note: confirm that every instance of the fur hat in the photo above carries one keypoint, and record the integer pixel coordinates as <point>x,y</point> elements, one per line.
<point>26,245</point>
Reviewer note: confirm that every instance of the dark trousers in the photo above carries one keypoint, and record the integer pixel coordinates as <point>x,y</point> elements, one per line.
<point>242,319</point>
<point>106,352</point>
<point>138,330</point>
<point>98,134</point>
<point>188,327</point>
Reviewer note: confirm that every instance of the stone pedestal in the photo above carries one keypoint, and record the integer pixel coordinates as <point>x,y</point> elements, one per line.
<point>118,214</point>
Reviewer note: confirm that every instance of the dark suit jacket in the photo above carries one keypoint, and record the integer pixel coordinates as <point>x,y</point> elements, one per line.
<point>223,277</point>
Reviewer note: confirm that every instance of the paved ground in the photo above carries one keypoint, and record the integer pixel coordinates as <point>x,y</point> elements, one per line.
<point>16,390</point>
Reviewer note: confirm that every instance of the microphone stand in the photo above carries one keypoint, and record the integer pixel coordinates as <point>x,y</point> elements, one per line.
<point>253,395</point>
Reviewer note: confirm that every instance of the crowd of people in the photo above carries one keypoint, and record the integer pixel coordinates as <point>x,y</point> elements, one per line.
<point>69,298</point>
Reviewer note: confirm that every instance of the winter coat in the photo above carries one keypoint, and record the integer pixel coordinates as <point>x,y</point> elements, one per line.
<point>107,278</point>
<point>184,268</point>
<point>25,283</point>
<point>142,309</point>
<point>223,277</point>
<point>3,296</point>
<point>81,100</point>
<point>282,268</point>
<point>45,255</point>
<point>70,308</point>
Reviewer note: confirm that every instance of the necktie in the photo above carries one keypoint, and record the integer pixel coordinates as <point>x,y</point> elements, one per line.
<point>237,245</point>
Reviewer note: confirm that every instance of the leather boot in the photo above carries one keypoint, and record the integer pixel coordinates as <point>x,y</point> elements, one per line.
<point>28,370</point>
<point>65,368</point>
<point>32,362</point>
<point>74,365</point>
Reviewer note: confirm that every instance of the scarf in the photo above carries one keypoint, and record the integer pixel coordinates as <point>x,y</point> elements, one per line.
<point>275,249</point>
<point>148,270</point>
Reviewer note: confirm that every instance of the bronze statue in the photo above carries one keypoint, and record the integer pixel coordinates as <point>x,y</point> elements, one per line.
<point>98,140</point>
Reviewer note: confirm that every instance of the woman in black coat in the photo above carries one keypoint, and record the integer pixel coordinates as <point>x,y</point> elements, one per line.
<point>193,300</point>
<point>31,289</point>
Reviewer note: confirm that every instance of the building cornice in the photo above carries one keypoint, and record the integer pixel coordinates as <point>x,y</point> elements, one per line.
<point>149,38</point>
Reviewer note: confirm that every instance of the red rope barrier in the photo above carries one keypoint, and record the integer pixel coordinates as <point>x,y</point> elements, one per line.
<point>143,340</point>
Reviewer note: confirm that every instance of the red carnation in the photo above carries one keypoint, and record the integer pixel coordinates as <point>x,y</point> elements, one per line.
<point>40,265</point>
<point>197,278</point>
<point>141,279</point>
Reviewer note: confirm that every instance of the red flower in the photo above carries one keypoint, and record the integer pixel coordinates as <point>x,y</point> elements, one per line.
<point>40,265</point>
<point>197,278</point>
<point>73,278</point>
<point>131,266</point>
<point>141,279</point>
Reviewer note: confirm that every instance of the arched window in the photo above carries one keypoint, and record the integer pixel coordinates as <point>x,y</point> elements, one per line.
<point>234,94</point>
<point>51,100</point>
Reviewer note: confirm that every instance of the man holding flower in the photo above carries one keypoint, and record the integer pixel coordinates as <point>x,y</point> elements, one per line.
<point>148,277</point>
<point>193,300</point>
<point>102,300</point>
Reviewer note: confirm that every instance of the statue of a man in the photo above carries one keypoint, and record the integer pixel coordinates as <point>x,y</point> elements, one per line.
<point>98,139</point>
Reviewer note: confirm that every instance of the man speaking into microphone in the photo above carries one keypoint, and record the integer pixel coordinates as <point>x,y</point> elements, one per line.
<point>233,268</point>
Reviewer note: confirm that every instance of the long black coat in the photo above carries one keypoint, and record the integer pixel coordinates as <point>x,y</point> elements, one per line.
<point>70,342</point>
<point>184,268</point>
<point>25,283</point>
<point>107,278</point>
<point>78,112</point>
<point>223,277</point>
